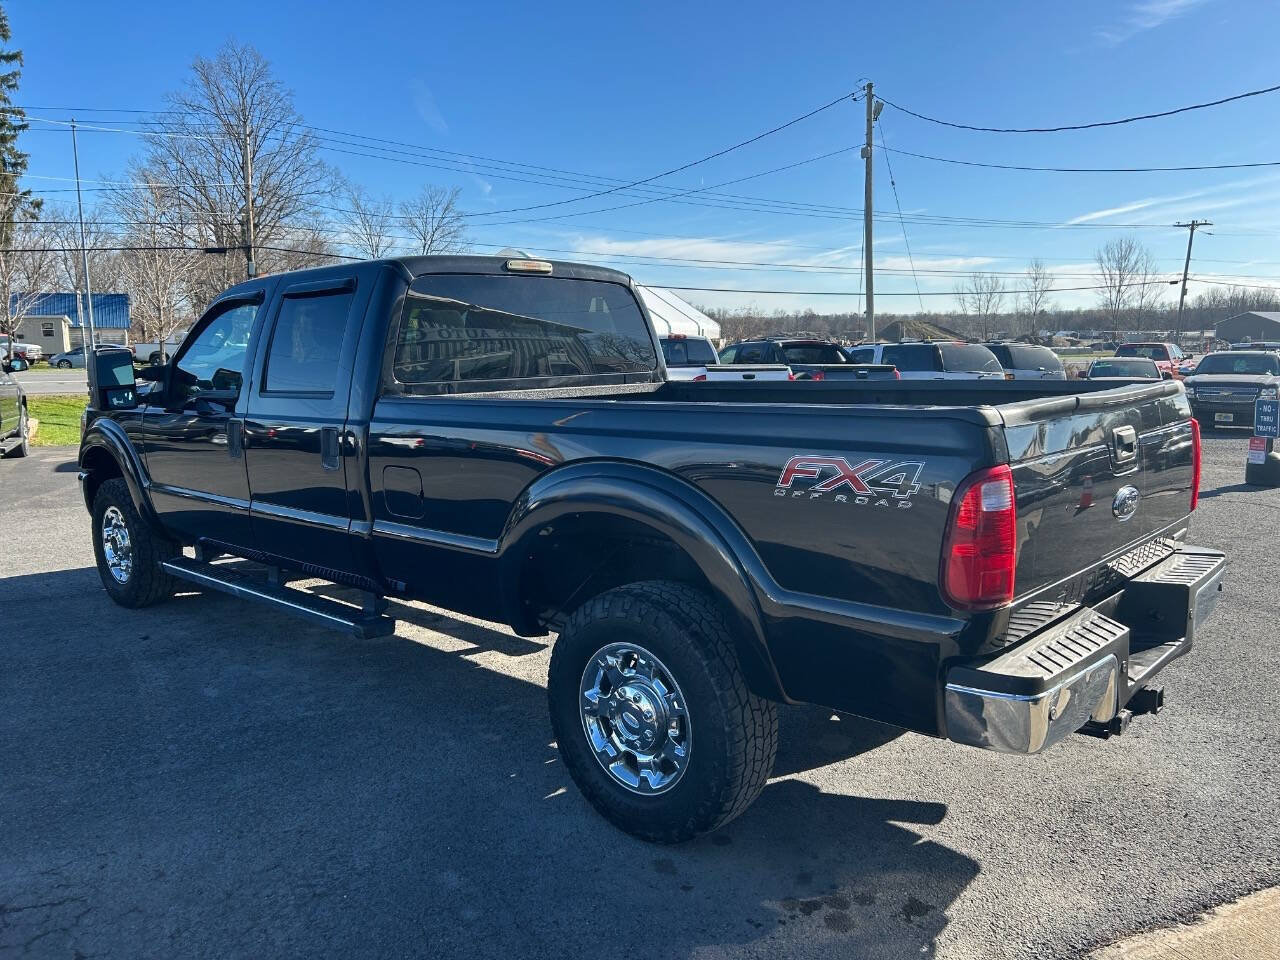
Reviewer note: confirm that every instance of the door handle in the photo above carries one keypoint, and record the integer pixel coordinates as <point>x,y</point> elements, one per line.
<point>329,448</point>
<point>235,439</point>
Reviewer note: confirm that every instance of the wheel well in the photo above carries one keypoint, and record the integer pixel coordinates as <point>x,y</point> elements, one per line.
<point>582,557</point>
<point>100,466</point>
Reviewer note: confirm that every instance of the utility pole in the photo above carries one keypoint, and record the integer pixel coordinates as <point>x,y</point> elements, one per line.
<point>89,365</point>
<point>251,269</point>
<point>870,284</point>
<point>1186,267</point>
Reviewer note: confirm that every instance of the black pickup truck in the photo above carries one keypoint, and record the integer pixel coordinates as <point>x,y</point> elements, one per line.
<point>998,563</point>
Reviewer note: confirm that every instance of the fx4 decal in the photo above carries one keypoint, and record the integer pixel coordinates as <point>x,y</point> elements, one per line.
<point>884,482</point>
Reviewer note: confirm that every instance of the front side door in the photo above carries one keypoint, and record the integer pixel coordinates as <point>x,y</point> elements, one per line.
<point>191,431</point>
<point>295,429</point>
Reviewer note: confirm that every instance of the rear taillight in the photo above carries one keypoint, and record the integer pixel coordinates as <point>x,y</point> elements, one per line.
<point>1195,462</point>
<point>896,374</point>
<point>979,550</point>
<point>790,375</point>
<point>701,376</point>
<point>818,375</point>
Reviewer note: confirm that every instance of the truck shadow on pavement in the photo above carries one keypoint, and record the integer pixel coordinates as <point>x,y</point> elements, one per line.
<point>217,778</point>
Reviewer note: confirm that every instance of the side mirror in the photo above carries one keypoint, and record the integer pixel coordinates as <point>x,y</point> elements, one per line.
<point>114,379</point>
<point>1082,374</point>
<point>1166,374</point>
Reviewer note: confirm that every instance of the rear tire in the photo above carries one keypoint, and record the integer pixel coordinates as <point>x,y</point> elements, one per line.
<point>64,364</point>
<point>728,734</point>
<point>129,550</point>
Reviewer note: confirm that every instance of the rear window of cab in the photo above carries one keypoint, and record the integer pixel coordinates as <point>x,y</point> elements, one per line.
<point>497,332</point>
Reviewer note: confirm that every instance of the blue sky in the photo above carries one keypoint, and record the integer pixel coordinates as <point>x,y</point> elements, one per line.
<point>624,91</point>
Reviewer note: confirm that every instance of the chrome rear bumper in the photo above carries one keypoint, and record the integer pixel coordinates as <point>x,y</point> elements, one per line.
<point>1085,667</point>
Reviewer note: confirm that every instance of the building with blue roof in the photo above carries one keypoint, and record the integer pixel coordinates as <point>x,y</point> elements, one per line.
<point>56,321</point>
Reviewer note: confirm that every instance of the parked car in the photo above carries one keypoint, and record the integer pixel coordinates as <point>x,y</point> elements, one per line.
<point>1226,384</point>
<point>1273,345</point>
<point>799,354</point>
<point>687,357</point>
<point>498,437</point>
<point>32,353</point>
<point>1167,356</point>
<point>850,371</point>
<point>932,359</point>
<point>156,352</point>
<point>14,430</point>
<point>68,358</point>
<point>1124,368</point>
<point>743,372</point>
<point>1026,361</point>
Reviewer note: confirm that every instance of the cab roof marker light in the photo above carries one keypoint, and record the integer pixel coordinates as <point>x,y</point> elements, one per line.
<point>529,266</point>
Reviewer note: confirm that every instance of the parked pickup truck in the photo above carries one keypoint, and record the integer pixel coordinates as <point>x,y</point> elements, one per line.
<point>999,563</point>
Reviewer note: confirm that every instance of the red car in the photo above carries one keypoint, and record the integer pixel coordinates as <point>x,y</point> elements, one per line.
<point>1167,356</point>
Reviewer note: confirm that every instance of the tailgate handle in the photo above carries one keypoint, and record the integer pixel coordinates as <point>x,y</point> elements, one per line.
<point>1125,440</point>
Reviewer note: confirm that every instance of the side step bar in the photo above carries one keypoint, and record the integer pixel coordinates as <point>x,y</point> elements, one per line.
<point>363,624</point>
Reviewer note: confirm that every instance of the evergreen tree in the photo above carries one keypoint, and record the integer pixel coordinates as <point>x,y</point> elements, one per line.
<point>14,201</point>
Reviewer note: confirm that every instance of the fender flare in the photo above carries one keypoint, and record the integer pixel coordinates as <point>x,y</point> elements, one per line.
<point>670,506</point>
<point>105,437</point>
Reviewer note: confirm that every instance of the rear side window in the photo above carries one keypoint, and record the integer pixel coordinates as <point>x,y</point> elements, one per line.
<point>463,328</point>
<point>753,353</point>
<point>814,353</point>
<point>862,355</point>
<point>911,357</point>
<point>687,352</point>
<point>1018,356</point>
<point>969,358</point>
<point>728,353</point>
<point>307,342</point>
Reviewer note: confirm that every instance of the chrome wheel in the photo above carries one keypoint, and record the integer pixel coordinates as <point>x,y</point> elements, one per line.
<point>635,718</point>
<point>117,548</point>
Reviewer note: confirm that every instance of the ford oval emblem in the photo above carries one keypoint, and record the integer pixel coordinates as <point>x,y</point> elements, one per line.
<point>1125,505</point>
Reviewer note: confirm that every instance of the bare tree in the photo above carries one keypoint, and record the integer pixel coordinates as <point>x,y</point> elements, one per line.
<point>27,270</point>
<point>369,223</point>
<point>1038,284</point>
<point>1148,288</point>
<point>1124,267</point>
<point>99,237</point>
<point>434,220</point>
<point>161,258</point>
<point>980,298</point>
<point>198,151</point>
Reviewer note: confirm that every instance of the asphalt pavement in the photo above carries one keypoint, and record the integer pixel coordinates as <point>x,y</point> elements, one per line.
<point>209,778</point>
<point>43,380</point>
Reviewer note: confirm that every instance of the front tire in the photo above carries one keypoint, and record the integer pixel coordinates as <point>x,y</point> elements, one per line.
<point>64,364</point>
<point>652,714</point>
<point>128,549</point>
<point>24,434</point>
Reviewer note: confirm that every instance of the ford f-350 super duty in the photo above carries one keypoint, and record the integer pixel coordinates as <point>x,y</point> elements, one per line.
<point>999,563</point>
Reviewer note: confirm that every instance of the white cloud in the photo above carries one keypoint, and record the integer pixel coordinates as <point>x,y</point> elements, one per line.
<point>428,110</point>
<point>1146,15</point>
<point>1155,207</point>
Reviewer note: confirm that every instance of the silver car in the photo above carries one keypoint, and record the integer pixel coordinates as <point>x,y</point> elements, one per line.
<point>1027,361</point>
<point>68,359</point>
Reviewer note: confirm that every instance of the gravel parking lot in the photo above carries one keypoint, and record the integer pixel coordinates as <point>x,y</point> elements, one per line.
<point>208,778</point>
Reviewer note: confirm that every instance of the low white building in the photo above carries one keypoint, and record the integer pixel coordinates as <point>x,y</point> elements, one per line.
<point>671,314</point>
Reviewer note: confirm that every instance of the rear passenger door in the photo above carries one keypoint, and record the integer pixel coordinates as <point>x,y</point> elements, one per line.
<point>296,444</point>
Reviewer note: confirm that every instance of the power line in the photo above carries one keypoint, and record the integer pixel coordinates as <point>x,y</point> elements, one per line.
<point>1084,126</point>
<point>1014,166</point>
<point>926,293</point>
<point>898,203</point>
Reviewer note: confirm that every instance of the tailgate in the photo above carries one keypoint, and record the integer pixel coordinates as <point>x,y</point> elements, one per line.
<point>1095,475</point>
